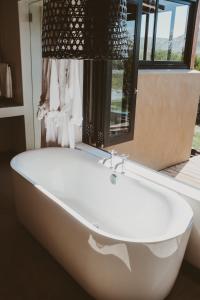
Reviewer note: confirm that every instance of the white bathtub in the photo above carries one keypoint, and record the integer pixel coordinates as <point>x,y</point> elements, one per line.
<point>120,242</point>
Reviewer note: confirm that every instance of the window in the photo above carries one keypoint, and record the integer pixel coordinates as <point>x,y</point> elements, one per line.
<point>165,32</point>
<point>161,33</point>
<point>110,91</point>
<point>121,91</point>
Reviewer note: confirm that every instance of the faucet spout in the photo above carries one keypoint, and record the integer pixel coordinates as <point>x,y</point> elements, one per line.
<point>118,165</point>
<point>124,157</point>
<point>106,159</point>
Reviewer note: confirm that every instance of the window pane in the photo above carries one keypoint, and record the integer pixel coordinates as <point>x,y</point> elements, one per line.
<point>121,80</point>
<point>119,119</point>
<point>147,27</point>
<point>171,31</point>
<point>180,30</point>
<point>142,36</point>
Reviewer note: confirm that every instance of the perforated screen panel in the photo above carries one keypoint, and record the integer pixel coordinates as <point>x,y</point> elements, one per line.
<point>85,29</point>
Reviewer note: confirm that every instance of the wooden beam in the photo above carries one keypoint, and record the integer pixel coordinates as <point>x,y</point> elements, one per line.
<point>195,35</point>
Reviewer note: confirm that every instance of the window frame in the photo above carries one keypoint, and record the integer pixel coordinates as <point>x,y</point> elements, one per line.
<point>186,63</point>
<point>97,103</point>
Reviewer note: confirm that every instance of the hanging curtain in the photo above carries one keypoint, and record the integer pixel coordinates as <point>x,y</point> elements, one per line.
<point>61,101</point>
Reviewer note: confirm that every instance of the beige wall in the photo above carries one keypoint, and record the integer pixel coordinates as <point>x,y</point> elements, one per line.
<point>165,117</point>
<point>10,43</point>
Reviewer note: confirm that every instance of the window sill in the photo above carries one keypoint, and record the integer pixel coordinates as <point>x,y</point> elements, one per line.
<point>168,71</point>
<point>163,65</point>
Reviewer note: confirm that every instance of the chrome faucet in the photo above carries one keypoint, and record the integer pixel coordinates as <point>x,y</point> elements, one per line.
<point>113,177</point>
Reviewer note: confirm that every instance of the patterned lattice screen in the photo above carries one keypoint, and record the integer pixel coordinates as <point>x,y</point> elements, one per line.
<point>85,29</point>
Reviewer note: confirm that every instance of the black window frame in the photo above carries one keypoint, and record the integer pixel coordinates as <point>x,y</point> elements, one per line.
<point>186,63</point>
<point>97,97</point>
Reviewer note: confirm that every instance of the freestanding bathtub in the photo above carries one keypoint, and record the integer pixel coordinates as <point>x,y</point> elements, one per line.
<point>119,241</point>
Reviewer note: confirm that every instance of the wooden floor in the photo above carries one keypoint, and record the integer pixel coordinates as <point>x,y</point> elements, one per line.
<point>28,272</point>
<point>188,172</point>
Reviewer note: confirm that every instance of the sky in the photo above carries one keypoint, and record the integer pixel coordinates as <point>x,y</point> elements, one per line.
<point>164,18</point>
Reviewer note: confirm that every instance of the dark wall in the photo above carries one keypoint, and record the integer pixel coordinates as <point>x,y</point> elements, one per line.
<point>12,132</point>
<point>12,135</point>
<point>10,43</point>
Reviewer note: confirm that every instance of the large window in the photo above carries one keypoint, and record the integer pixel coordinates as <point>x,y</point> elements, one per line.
<point>161,33</point>
<point>165,32</point>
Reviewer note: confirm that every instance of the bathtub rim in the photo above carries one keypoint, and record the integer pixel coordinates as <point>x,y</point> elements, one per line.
<point>98,231</point>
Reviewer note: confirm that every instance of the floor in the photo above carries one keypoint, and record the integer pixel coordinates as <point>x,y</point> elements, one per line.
<point>188,172</point>
<point>28,272</point>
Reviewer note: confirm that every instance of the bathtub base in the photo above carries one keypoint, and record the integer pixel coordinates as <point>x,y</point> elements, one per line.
<point>107,269</point>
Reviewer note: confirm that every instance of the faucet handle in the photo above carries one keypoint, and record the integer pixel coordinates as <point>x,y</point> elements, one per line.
<point>124,157</point>
<point>113,152</point>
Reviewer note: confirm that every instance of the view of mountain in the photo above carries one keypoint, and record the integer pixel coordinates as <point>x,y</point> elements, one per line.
<point>162,44</point>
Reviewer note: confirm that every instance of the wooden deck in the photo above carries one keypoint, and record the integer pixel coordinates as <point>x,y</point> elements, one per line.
<point>187,172</point>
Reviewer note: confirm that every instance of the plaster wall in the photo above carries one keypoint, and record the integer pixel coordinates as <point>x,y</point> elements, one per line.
<point>165,117</point>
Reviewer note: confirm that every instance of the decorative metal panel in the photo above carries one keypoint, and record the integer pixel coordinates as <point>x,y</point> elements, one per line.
<point>85,29</point>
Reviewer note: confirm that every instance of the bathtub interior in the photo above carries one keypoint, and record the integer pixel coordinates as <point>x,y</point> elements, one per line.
<point>134,209</point>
